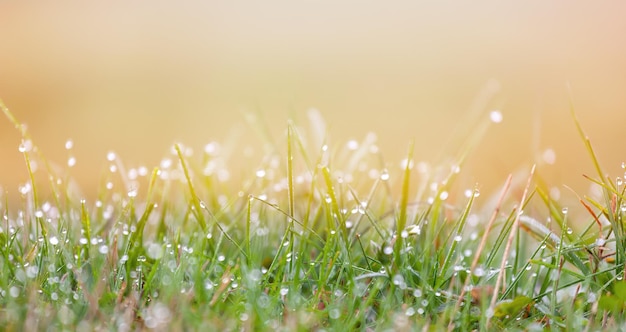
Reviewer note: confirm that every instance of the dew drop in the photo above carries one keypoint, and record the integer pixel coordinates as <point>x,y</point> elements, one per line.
<point>388,250</point>
<point>569,231</point>
<point>564,210</point>
<point>458,238</point>
<point>406,164</point>
<point>54,241</point>
<point>155,251</point>
<point>549,156</point>
<point>14,291</point>
<point>260,173</point>
<point>71,161</point>
<point>25,146</point>
<point>479,272</point>
<point>111,156</point>
<point>69,144</point>
<point>334,314</point>
<point>495,116</point>
<point>353,145</point>
<point>443,196</point>
<point>103,249</point>
<point>384,175</point>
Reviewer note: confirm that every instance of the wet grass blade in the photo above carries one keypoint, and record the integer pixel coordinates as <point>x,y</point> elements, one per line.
<point>195,201</point>
<point>404,201</point>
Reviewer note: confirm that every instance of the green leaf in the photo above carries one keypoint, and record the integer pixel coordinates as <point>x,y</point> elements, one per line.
<point>620,290</point>
<point>611,303</point>
<point>511,308</point>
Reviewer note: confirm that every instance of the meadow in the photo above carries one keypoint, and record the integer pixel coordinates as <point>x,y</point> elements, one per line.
<point>317,236</point>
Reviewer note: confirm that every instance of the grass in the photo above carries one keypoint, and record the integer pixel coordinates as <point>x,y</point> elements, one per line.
<point>317,239</point>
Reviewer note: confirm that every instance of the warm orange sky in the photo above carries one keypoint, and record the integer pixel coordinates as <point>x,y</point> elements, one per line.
<point>135,77</point>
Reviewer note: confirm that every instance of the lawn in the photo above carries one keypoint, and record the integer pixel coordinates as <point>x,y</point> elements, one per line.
<point>321,237</point>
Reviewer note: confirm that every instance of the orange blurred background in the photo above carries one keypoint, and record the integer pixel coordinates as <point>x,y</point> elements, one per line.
<point>137,76</point>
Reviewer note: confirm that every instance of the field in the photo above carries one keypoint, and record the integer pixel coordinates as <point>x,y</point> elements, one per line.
<point>317,237</point>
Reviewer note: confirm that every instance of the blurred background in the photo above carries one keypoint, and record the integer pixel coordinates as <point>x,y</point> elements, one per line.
<point>135,77</point>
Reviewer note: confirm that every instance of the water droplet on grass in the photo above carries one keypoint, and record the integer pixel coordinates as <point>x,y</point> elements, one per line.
<point>25,189</point>
<point>458,238</point>
<point>384,175</point>
<point>69,144</point>
<point>479,272</point>
<point>25,146</point>
<point>495,116</point>
<point>71,162</point>
<point>564,210</point>
<point>103,249</point>
<point>352,145</point>
<point>549,156</point>
<point>260,173</point>
<point>410,311</point>
<point>54,240</point>
<point>570,231</point>
<point>405,162</point>
<point>443,196</point>
<point>14,291</point>
<point>388,250</point>
<point>334,314</point>
<point>155,251</point>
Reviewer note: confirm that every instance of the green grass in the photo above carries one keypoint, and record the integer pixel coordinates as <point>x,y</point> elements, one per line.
<point>319,237</point>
